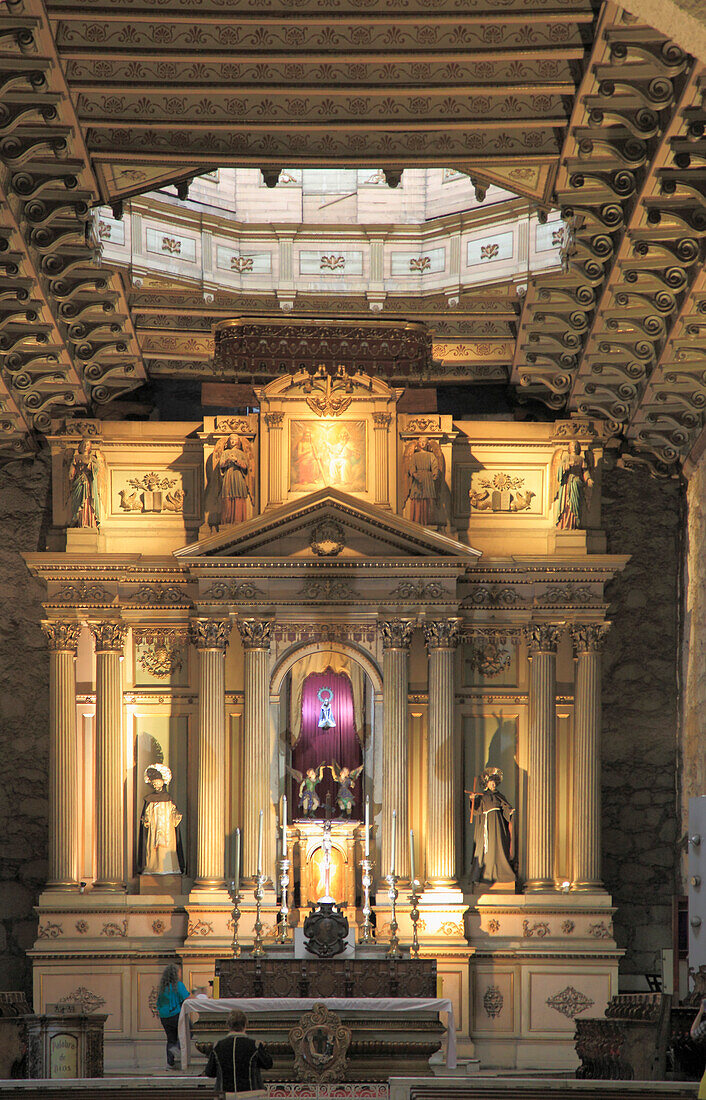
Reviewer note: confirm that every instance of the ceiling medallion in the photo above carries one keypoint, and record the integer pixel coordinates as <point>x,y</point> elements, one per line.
<point>328,539</point>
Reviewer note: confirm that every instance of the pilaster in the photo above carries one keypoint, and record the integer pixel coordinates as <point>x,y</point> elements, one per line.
<point>62,641</point>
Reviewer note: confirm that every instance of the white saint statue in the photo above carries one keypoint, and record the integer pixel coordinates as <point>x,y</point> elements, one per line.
<point>160,850</point>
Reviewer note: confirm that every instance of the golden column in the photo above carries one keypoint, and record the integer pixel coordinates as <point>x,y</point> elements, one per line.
<point>109,638</point>
<point>210,636</point>
<point>441,638</point>
<point>396,636</point>
<point>543,639</point>
<point>588,642</point>
<point>255,635</point>
<point>62,639</point>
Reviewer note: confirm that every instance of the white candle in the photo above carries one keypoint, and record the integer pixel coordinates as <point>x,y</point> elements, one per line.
<point>411,852</point>
<point>284,826</point>
<point>367,827</point>
<point>236,885</point>
<point>393,842</point>
<point>259,845</point>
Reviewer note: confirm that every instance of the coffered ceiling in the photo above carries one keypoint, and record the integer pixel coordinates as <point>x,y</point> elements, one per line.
<point>561,101</point>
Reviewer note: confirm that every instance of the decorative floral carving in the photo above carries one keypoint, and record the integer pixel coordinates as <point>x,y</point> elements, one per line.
<point>557,594</point>
<point>540,929</point>
<point>570,1002</point>
<point>327,588</point>
<point>568,927</point>
<point>152,1001</point>
<point>452,928</point>
<point>492,595</point>
<point>113,928</point>
<point>332,263</point>
<point>382,419</point>
<point>423,424</point>
<point>210,633</point>
<point>171,245</point>
<point>233,425</point>
<point>489,659</point>
<point>274,419</point>
<point>85,999</point>
<point>109,636</point>
<point>493,926</point>
<point>420,264</point>
<point>328,539</point>
<point>501,493</point>
<point>49,931</point>
<point>442,633</point>
<point>62,636</point>
<point>200,927</point>
<point>493,1001</point>
<point>158,927</point>
<point>417,590</point>
<point>82,927</point>
<point>396,633</point>
<point>160,594</point>
<point>320,1043</point>
<point>241,263</point>
<point>489,251</point>
<point>235,590</point>
<point>82,593</point>
<point>160,658</point>
<point>255,633</point>
<point>153,494</point>
<point>600,930</point>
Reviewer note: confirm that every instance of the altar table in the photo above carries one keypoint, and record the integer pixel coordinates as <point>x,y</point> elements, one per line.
<point>252,1006</point>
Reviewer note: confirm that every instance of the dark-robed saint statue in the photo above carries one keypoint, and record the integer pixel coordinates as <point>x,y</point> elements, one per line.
<point>493,836</point>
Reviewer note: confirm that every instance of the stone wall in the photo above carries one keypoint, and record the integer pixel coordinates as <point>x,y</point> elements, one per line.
<point>24,717</point>
<point>643,518</point>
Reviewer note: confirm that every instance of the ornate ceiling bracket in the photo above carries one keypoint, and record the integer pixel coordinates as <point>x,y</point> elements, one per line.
<point>65,334</point>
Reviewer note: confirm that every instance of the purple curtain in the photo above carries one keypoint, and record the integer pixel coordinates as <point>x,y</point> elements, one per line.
<point>322,746</point>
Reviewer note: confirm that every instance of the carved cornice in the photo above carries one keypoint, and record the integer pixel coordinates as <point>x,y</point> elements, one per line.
<point>543,637</point>
<point>589,637</point>
<point>396,633</point>
<point>442,633</point>
<point>108,636</point>
<point>210,633</point>
<point>255,633</point>
<point>61,635</point>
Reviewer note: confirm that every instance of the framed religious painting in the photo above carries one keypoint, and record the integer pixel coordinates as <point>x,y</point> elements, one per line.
<point>322,452</point>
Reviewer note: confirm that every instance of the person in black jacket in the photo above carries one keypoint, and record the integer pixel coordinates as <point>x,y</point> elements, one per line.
<point>237,1060</point>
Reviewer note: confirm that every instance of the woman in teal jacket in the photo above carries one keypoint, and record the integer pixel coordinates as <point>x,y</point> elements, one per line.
<point>172,994</point>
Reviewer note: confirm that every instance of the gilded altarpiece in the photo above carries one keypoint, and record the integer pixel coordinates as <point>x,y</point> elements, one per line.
<point>419,553</point>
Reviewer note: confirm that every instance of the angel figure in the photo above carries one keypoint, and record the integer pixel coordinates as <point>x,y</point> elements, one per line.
<point>230,491</point>
<point>424,469</point>
<point>571,477</point>
<point>346,781</point>
<point>86,480</point>
<point>309,801</point>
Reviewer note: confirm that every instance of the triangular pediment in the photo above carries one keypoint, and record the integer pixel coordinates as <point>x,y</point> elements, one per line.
<point>312,528</point>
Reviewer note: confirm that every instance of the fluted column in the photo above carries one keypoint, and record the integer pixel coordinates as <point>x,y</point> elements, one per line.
<point>210,636</point>
<point>541,785</point>
<point>255,635</point>
<point>396,636</point>
<point>109,638</point>
<point>62,640</point>
<point>588,642</point>
<point>441,638</point>
<point>275,422</point>
<point>381,423</point>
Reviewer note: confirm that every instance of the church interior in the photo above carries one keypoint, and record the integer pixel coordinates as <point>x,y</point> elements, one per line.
<point>353,559</point>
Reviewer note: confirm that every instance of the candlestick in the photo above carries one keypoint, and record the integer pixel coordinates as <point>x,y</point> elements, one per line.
<point>258,949</point>
<point>236,898</point>
<point>282,931</point>
<point>259,845</point>
<point>392,843</point>
<point>367,880</point>
<point>414,916</point>
<point>367,827</point>
<point>284,819</point>
<point>393,951</point>
<point>411,854</point>
<point>236,882</point>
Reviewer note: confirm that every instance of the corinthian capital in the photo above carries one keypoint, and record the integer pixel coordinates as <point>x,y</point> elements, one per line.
<point>442,634</point>
<point>109,636</point>
<point>255,633</point>
<point>396,633</point>
<point>61,636</point>
<point>542,637</point>
<point>589,637</point>
<point>210,633</point>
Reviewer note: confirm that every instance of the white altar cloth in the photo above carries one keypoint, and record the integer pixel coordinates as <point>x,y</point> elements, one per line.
<point>252,1005</point>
